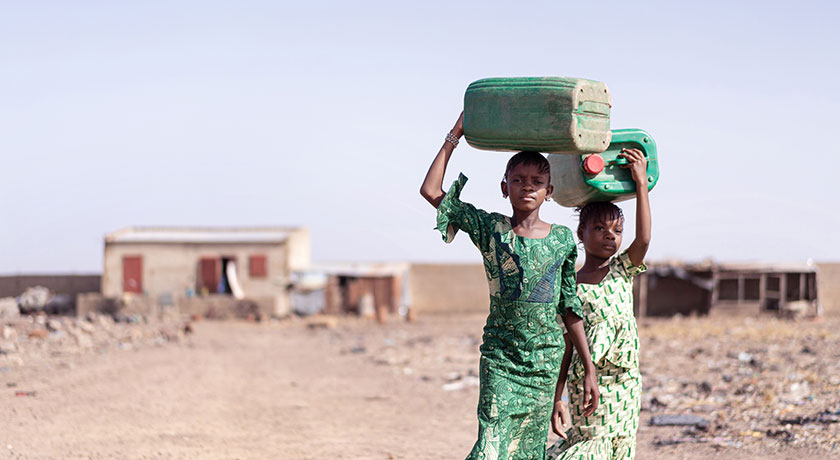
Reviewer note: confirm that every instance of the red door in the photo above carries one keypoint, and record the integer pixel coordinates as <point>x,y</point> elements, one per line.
<point>210,273</point>
<point>133,274</point>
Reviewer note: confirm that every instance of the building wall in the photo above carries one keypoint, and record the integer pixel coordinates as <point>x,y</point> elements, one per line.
<point>173,269</point>
<point>14,285</point>
<point>828,287</point>
<point>299,250</point>
<point>446,288</point>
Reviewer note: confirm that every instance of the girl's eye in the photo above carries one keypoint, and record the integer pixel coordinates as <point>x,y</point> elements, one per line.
<point>599,227</point>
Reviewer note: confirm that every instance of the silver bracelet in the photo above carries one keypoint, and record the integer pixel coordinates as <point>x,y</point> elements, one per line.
<point>452,139</point>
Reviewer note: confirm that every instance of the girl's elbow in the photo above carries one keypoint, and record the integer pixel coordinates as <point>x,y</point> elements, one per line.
<point>427,193</point>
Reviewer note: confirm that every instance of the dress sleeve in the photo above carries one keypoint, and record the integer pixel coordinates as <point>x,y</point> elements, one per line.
<point>626,266</point>
<point>569,301</point>
<point>453,215</point>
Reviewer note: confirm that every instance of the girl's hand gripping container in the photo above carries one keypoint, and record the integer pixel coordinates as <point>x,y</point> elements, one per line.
<point>583,179</point>
<point>544,114</point>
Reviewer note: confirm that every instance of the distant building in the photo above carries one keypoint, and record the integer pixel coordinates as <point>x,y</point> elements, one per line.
<point>170,263</point>
<point>678,288</point>
<point>365,289</point>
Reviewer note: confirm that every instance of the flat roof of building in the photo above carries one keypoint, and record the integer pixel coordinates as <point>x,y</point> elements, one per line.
<point>226,235</point>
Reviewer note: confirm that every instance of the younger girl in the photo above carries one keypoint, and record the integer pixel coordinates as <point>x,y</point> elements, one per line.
<point>530,267</point>
<point>605,289</point>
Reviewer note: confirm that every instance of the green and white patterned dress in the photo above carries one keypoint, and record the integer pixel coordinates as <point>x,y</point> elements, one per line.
<point>609,433</point>
<point>531,282</point>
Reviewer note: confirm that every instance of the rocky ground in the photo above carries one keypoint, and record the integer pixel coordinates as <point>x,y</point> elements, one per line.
<point>349,388</point>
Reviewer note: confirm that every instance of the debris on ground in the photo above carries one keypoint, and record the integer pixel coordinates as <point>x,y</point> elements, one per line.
<point>680,420</point>
<point>9,308</point>
<point>38,337</point>
<point>755,380</point>
<point>34,299</point>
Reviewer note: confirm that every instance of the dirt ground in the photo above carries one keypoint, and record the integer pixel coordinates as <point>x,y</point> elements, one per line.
<point>283,390</point>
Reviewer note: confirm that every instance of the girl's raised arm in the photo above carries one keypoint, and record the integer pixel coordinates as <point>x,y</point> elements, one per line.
<point>637,163</point>
<point>432,188</point>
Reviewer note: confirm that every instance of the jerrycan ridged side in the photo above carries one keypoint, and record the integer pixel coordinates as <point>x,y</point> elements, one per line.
<point>577,183</point>
<point>544,114</point>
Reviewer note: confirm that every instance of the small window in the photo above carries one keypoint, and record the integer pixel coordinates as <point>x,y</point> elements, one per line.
<point>728,289</point>
<point>257,266</point>
<point>752,289</point>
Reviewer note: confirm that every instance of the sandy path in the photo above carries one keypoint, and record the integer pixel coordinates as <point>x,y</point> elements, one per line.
<point>238,391</point>
<point>273,391</point>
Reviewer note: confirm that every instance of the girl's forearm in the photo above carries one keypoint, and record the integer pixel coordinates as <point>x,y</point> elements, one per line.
<point>432,188</point>
<point>578,337</point>
<point>638,249</point>
<point>564,369</point>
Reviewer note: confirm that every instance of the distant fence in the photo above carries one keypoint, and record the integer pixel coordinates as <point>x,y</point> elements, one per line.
<point>14,285</point>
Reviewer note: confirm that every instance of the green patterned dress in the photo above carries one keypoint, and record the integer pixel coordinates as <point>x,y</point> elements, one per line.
<point>609,433</point>
<point>531,282</point>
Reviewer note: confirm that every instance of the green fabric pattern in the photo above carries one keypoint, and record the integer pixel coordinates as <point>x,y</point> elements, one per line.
<point>613,338</point>
<point>531,281</point>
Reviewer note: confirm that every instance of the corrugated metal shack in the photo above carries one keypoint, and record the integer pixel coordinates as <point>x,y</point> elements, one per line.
<point>367,290</point>
<point>678,288</point>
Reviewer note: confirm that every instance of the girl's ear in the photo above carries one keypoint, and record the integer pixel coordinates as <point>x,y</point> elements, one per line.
<point>504,189</point>
<point>549,191</point>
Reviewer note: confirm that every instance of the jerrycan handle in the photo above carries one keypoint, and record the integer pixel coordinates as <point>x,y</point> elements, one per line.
<point>617,162</point>
<point>594,163</point>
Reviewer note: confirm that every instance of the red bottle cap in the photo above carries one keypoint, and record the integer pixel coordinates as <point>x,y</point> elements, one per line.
<point>593,164</point>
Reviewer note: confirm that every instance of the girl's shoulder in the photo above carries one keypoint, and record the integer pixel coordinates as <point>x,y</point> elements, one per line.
<point>562,232</point>
<point>622,265</point>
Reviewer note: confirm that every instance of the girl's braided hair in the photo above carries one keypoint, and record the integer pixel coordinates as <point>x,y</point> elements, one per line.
<point>599,210</point>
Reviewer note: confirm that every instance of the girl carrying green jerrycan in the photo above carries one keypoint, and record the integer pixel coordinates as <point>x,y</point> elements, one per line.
<point>530,268</point>
<point>605,290</point>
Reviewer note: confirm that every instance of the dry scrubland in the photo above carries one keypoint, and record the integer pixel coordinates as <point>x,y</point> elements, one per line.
<point>353,389</point>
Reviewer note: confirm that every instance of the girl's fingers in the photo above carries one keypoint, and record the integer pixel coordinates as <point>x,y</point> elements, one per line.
<point>629,157</point>
<point>557,425</point>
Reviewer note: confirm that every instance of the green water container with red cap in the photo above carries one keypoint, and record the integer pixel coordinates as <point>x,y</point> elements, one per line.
<point>582,179</point>
<point>543,114</point>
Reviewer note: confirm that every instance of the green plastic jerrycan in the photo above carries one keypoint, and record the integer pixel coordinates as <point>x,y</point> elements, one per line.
<point>545,114</point>
<point>581,179</point>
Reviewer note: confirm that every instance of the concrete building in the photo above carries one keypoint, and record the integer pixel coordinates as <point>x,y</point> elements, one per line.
<point>171,264</point>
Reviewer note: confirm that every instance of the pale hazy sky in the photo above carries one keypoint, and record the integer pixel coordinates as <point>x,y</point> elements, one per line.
<point>327,114</point>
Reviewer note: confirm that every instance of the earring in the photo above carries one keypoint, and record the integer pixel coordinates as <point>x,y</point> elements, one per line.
<point>548,198</point>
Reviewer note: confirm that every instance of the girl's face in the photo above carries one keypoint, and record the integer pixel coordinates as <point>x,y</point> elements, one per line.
<point>526,187</point>
<point>602,238</point>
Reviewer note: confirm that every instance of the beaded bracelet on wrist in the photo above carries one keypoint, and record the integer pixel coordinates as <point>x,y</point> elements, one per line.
<point>452,139</point>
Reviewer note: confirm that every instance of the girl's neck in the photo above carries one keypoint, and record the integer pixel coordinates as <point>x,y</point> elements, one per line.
<point>594,263</point>
<point>526,219</point>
